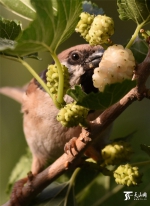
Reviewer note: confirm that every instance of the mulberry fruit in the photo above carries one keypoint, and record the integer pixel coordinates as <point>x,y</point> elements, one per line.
<point>101,29</point>
<point>117,64</point>
<point>116,153</point>
<point>53,78</point>
<point>84,24</point>
<point>72,115</point>
<point>127,175</point>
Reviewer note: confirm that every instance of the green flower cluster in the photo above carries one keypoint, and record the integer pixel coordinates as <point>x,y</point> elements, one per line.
<point>72,115</point>
<point>116,153</point>
<point>127,175</point>
<point>95,30</point>
<point>53,78</point>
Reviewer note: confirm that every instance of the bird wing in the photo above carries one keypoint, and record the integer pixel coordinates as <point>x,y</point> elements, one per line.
<point>15,93</point>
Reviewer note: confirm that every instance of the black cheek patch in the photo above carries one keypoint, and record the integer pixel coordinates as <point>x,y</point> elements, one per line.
<point>87,83</point>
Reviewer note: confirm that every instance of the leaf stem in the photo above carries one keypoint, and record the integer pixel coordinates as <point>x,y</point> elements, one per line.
<point>141,163</point>
<point>139,26</point>
<point>134,36</point>
<point>35,75</point>
<point>108,195</point>
<point>60,93</point>
<point>71,184</point>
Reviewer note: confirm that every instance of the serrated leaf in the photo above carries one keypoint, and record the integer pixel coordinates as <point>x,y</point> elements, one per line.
<point>101,100</point>
<point>137,10</point>
<point>49,30</point>
<point>6,44</point>
<point>92,8</point>
<point>145,148</point>
<point>9,29</point>
<point>22,8</point>
<point>21,169</point>
<point>139,49</point>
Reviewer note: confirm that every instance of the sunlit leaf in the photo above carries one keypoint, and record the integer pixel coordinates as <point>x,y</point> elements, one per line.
<point>6,44</point>
<point>137,10</point>
<point>49,29</point>
<point>22,8</point>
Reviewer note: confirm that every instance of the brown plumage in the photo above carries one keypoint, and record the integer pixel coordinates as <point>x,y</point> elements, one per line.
<point>45,136</point>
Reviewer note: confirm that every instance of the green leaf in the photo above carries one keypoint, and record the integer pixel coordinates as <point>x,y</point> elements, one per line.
<point>71,200</point>
<point>86,175</point>
<point>145,148</point>
<point>77,93</point>
<point>9,29</point>
<point>137,10</point>
<point>21,8</point>
<point>101,100</point>
<point>90,184</point>
<point>49,29</point>
<point>53,194</point>
<point>6,44</point>
<point>139,49</point>
<point>20,170</point>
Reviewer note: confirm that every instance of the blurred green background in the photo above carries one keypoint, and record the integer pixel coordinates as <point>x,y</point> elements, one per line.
<point>12,142</point>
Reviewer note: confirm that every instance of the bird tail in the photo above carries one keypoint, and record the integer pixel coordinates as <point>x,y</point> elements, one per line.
<point>15,93</point>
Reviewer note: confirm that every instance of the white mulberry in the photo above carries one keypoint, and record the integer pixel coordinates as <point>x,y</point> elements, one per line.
<point>101,29</point>
<point>117,64</point>
<point>95,29</point>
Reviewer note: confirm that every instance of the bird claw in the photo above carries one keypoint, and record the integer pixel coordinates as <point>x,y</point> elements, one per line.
<point>17,198</point>
<point>69,146</point>
<point>16,195</point>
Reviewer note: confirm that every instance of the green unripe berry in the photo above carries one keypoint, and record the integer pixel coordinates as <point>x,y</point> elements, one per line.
<point>127,175</point>
<point>95,30</point>
<point>52,78</point>
<point>116,153</point>
<point>72,115</point>
<point>84,24</point>
<point>101,29</point>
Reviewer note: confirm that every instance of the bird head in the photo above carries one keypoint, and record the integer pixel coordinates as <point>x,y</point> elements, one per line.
<point>81,60</point>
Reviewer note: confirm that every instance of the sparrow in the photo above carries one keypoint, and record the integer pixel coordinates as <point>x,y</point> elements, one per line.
<point>46,136</point>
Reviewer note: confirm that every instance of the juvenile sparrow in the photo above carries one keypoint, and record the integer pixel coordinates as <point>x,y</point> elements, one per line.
<point>46,136</point>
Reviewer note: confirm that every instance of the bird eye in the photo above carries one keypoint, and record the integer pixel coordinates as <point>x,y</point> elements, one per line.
<point>75,56</point>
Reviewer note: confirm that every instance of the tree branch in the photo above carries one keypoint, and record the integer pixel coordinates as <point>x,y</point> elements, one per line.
<point>23,193</point>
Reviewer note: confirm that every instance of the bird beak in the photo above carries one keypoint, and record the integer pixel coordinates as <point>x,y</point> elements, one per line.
<point>93,60</point>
